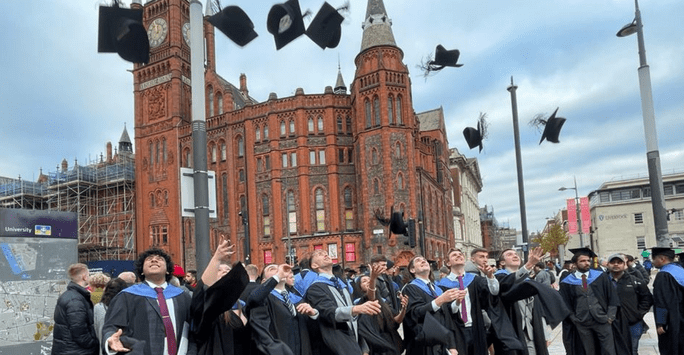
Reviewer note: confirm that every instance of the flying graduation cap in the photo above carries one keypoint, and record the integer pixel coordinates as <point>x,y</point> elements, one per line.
<point>552,127</point>
<point>325,29</point>
<point>121,31</point>
<point>397,224</point>
<point>285,22</point>
<point>443,58</point>
<point>474,137</point>
<point>235,24</point>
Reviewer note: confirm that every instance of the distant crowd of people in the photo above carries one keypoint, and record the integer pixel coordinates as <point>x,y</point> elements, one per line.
<point>317,307</point>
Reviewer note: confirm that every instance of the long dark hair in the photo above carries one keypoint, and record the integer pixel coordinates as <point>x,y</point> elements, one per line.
<point>113,287</point>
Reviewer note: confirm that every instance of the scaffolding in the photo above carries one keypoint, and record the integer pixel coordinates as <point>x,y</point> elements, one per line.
<point>102,195</point>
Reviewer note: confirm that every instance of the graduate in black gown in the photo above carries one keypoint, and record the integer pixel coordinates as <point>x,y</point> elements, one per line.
<point>594,302</point>
<point>428,302</point>
<point>530,305</point>
<point>279,323</point>
<point>668,302</point>
<point>216,310</point>
<point>380,331</point>
<point>337,314</point>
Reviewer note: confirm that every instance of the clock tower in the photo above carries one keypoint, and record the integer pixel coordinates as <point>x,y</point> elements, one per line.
<point>162,112</point>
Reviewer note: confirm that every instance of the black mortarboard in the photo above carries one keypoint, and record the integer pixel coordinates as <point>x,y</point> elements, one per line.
<point>473,136</point>
<point>285,22</point>
<point>397,225</point>
<point>583,251</point>
<point>121,31</point>
<point>445,58</point>
<point>325,29</point>
<point>552,128</point>
<point>235,24</point>
<point>662,251</point>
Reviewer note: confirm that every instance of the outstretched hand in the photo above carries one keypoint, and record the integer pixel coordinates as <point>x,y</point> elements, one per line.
<point>284,271</point>
<point>224,249</point>
<point>487,270</point>
<point>535,255</point>
<point>369,307</point>
<point>114,342</point>
<point>377,270</point>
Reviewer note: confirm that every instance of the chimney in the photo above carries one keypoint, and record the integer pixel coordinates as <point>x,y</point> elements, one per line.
<point>109,152</point>
<point>243,85</point>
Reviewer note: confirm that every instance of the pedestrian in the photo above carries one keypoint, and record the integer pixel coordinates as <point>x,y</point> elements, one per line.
<point>74,333</point>
<point>635,301</point>
<point>113,287</point>
<point>668,302</point>
<point>139,313</point>
<point>593,301</point>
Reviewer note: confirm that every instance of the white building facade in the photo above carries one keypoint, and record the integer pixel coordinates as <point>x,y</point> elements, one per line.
<point>467,184</point>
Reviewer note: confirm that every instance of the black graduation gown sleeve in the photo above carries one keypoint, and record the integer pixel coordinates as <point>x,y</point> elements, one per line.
<point>668,311</point>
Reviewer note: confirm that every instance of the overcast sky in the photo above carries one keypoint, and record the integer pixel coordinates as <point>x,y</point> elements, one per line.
<point>59,98</point>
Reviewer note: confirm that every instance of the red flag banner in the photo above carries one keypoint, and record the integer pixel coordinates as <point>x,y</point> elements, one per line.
<point>585,214</point>
<point>572,216</point>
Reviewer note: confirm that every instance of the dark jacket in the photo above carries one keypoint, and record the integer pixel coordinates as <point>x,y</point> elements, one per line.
<point>74,333</point>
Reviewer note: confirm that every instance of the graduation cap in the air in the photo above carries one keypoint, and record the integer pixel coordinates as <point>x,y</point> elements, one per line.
<point>445,58</point>
<point>662,251</point>
<point>474,136</point>
<point>235,24</point>
<point>325,29</point>
<point>121,31</point>
<point>397,224</point>
<point>583,251</point>
<point>285,22</point>
<point>552,128</point>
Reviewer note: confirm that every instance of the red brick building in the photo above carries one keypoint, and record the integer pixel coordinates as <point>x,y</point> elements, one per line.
<point>307,171</point>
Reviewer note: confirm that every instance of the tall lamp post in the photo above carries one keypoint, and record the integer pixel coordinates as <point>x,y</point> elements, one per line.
<point>518,162</point>
<point>652,153</point>
<point>577,208</point>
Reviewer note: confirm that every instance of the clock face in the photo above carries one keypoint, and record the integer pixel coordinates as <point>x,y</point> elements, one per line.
<point>157,32</point>
<point>186,32</point>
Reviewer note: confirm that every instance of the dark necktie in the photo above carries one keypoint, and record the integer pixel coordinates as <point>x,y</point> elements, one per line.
<point>464,312</point>
<point>584,282</point>
<point>288,304</point>
<point>168,324</point>
<point>432,290</point>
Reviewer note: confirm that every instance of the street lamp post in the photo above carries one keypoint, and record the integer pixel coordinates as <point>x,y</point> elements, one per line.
<point>518,162</point>
<point>652,153</point>
<point>577,209</point>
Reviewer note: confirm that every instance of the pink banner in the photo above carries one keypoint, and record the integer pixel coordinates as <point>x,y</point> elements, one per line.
<point>572,216</point>
<point>586,214</point>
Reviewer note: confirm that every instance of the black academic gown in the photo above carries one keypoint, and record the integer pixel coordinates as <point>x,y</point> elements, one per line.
<point>668,308</point>
<point>275,330</point>
<point>607,298</point>
<point>213,321</point>
<point>415,333</point>
<point>140,318</point>
<point>548,305</point>
<point>338,337</point>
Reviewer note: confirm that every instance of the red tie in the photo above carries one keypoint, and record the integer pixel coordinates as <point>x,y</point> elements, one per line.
<point>168,325</point>
<point>464,312</point>
<point>584,282</point>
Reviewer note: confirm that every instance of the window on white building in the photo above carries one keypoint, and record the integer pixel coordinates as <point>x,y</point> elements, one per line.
<point>641,243</point>
<point>638,218</point>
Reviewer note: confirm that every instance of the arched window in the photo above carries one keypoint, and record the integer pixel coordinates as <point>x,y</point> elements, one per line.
<point>310,125</point>
<point>398,113</point>
<point>320,210</point>
<point>320,124</point>
<point>210,95</point>
<point>374,156</point>
<point>266,218</point>
<point>291,213</point>
<point>390,108</point>
<point>156,153</point>
<point>376,109</point>
<point>283,128</point>
<point>376,186</point>
<point>348,209</point>
<point>163,150</point>
<point>151,146</point>
<point>340,127</point>
<point>188,158</point>
<point>213,153</point>
<point>266,131</point>
<point>219,99</point>
<point>224,151</point>
<point>368,113</point>
<point>292,127</point>
<point>241,146</point>
<point>400,181</point>
<point>257,134</point>
<point>397,150</point>
<point>349,125</point>
<point>152,205</point>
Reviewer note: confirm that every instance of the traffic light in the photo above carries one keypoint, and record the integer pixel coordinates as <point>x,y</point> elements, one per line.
<point>121,31</point>
<point>411,232</point>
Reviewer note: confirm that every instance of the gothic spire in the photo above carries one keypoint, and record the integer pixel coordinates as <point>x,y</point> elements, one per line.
<point>377,26</point>
<point>340,88</point>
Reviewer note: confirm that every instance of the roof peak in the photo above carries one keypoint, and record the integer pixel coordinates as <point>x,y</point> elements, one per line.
<point>377,26</point>
<point>124,136</point>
